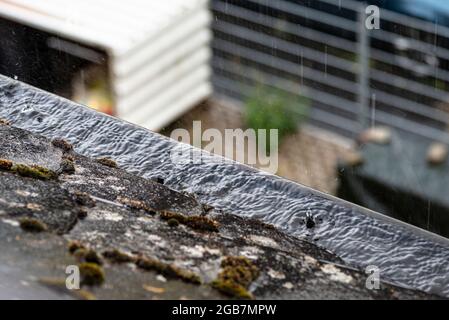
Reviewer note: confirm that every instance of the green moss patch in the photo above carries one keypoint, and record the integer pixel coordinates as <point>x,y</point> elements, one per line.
<point>34,171</point>
<point>136,204</point>
<point>195,222</point>
<point>75,245</point>
<point>62,144</point>
<point>32,225</point>
<point>168,270</point>
<point>67,166</point>
<point>6,164</point>
<point>82,214</point>
<point>173,222</point>
<point>84,254</point>
<point>91,274</point>
<point>88,255</point>
<point>236,276</point>
<point>107,162</point>
<point>83,199</point>
<point>117,256</point>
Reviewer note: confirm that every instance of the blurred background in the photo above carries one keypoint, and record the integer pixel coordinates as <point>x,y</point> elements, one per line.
<point>362,113</point>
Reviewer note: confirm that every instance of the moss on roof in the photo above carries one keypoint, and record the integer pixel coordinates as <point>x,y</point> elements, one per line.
<point>210,254</point>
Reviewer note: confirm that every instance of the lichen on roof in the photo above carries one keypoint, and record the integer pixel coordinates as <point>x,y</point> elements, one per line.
<point>127,233</point>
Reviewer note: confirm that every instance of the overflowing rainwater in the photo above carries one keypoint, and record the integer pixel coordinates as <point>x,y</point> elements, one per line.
<point>404,255</point>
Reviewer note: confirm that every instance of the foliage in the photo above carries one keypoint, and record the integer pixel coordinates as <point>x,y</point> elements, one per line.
<point>269,108</point>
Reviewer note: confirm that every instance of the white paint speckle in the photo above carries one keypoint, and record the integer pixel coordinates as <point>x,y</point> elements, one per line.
<point>336,274</point>
<point>276,274</point>
<point>263,241</point>
<point>154,238</point>
<point>105,215</point>
<point>25,193</point>
<point>25,283</point>
<point>310,260</point>
<point>13,223</point>
<point>288,285</point>
<point>117,188</point>
<point>214,252</point>
<point>193,252</point>
<point>12,204</point>
<point>144,219</point>
<point>112,216</point>
<point>95,235</point>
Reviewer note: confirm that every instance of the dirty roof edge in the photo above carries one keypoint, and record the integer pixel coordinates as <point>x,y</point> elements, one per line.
<point>370,213</point>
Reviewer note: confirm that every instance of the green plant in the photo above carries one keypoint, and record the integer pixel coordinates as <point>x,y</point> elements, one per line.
<point>268,108</point>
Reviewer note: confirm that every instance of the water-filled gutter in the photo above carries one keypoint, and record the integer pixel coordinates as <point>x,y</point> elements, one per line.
<point>346,229</point>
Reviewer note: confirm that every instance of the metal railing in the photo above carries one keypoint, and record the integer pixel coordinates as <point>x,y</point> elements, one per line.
<point>354,77</point>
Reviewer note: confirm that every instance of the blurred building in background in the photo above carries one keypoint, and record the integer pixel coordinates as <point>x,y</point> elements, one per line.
<point>356,78</point>
<point>144,61</point>
<point>149,62</point>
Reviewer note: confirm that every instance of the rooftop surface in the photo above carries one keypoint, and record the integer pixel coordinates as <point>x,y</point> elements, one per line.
<point>58,208</point>
<point>406,255</point>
